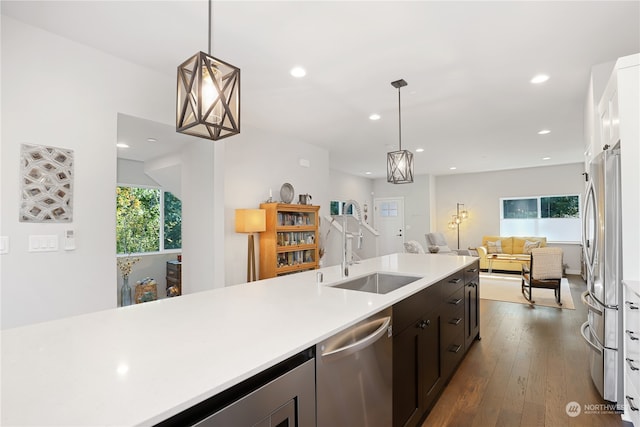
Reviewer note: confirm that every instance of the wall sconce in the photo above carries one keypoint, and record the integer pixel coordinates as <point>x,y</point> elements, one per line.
<point>456,220</point>
<point>251,221</point>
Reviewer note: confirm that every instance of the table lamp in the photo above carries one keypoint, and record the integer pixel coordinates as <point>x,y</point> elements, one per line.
<point>251,221</point>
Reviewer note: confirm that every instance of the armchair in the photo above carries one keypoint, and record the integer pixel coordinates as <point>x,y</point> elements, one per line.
<point>544,271</point>
<point>438,240</point>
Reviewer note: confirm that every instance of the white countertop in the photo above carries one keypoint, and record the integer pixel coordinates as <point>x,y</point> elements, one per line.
<point>141,364</point>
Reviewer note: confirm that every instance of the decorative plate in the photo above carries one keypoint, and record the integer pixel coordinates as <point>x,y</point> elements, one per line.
<point>286,192</point>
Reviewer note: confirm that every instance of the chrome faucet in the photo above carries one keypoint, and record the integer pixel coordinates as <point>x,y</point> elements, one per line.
<point>345,264</point>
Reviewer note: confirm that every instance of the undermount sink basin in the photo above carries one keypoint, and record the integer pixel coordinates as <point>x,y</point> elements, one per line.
<point>377,283</point>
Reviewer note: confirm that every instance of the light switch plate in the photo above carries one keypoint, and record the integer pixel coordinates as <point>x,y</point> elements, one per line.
<point>43,243</point>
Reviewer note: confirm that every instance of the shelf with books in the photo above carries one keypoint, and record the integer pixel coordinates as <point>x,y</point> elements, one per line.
<point>290,242</point>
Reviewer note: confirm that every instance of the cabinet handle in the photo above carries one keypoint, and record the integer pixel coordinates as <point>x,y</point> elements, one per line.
<point>632,305</point>
<point>632,335</point>
<point>631,405</point>
<point>472,284</point>
<point>631,365</point>
<point>423,324</point>
<point>455,280</point>
<point>457,322</point>
<point>473,270</point>
<point>458,301</point>
<point>454,348</point>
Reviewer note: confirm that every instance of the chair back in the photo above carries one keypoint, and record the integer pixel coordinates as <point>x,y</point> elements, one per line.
<point>546,263</point>
<point>437,239</point>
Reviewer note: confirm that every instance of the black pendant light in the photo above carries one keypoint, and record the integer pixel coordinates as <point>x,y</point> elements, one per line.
<point>399,163</point>
<point>208,96</point>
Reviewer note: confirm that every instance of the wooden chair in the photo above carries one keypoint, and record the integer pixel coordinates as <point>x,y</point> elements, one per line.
<point>544,271</point>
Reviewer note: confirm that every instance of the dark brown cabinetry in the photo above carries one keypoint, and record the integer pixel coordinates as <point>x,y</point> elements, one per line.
<point>430,339</point>
<point>174,278</point>
<point>471,301</point>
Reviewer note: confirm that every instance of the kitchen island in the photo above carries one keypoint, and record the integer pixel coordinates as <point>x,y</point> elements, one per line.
<point>142,364</point>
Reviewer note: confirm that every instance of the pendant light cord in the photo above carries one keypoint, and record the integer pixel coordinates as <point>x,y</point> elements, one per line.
<point>210,19</point>
<point>399,123</point>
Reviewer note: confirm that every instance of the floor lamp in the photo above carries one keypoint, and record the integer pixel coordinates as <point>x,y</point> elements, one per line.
<point>251,221</point>
<point>461,214</point>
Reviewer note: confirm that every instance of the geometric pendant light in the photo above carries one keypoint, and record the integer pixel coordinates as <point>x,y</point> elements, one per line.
<point>399,163</point>
<point>208,96</point>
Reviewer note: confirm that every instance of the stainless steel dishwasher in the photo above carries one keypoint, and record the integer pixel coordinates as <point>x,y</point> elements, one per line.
<point>354,375</point>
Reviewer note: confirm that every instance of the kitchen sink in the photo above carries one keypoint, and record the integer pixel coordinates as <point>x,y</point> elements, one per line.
<point>377,283</point>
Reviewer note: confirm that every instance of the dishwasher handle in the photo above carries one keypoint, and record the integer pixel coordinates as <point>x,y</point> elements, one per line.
<point>360,344</point>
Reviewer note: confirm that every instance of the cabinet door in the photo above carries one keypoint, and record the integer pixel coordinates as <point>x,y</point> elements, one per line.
<point>472,315</point>
<point>406,390</point>
<point>430,364</point>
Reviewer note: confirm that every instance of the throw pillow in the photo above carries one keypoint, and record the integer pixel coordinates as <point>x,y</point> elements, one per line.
<point>494,247</point>
<point>413,247</point>
<point>528,245</point>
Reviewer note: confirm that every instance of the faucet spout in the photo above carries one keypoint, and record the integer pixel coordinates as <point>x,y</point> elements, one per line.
<point>346,263</point>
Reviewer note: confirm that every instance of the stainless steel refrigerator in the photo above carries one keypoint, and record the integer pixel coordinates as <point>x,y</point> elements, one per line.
<point>602,243</point>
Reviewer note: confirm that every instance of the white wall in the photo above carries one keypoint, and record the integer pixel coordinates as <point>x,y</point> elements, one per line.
<point>481,193</point>
<point>263,161</point>
<point>60,93</point>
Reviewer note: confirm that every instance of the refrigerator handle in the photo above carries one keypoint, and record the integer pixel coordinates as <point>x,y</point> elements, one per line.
<point>590,306</point>
<point>583,332</point>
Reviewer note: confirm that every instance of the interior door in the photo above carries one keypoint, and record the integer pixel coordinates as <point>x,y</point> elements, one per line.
<point>389,221</point>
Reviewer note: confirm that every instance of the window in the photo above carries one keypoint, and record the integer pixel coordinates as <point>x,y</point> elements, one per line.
<point>389,209</point>
<point>147,220</point>
<point>555,217</point>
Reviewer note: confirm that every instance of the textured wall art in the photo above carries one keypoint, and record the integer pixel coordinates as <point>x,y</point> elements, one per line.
<point>46,178</point>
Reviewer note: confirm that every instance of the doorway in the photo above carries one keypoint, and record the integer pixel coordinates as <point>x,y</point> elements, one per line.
<point>389,221</point>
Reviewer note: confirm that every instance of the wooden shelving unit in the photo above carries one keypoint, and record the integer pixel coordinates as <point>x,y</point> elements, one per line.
<point>290,242</point>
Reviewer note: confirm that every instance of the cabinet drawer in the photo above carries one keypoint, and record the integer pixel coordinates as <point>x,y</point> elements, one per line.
<point>454,304</point>
<point>452,325</point>
<point>407,311</point>
<point>452,354</point>
<point>453,283</point>
<point>631,315</point>
<point>632,404</point>
<point>472,273</point>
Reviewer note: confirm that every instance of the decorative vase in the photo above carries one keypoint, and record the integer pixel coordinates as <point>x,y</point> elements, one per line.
<point>125,292</point>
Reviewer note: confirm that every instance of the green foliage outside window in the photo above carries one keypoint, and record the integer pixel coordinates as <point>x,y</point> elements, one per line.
<point>138,219</point>
<point>172,221</point>
<point>559,207</point>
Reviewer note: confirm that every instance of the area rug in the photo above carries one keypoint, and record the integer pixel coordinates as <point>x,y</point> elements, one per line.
<point>507,288</point>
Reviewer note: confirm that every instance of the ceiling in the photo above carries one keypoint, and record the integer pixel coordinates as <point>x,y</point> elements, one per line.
<point>469,103</point>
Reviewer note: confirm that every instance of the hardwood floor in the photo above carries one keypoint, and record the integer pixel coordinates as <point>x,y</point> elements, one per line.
<point>528,365</point>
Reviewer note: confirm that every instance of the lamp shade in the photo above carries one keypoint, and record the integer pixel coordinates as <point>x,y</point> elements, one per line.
<point>251,220</point>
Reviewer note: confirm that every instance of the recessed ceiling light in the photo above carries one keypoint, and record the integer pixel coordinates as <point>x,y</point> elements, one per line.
<point>544,132</point>
<point>374,117</point>
<point>453,168</point>
<point>367,173</point>
<point>152,140</point>
<point>419,150</point>
<point>122,145</point>
<point>298,72</point>
<point>540,78</point>
<point>546,158</point>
